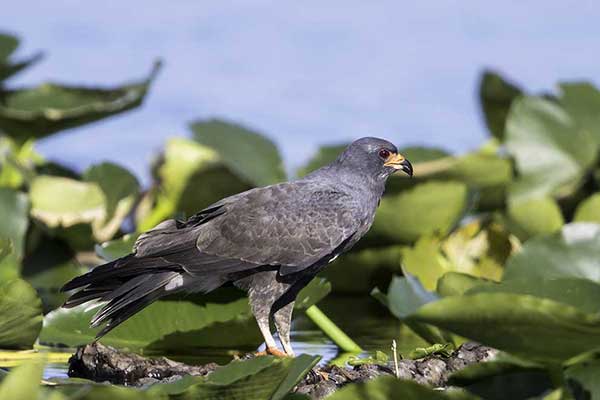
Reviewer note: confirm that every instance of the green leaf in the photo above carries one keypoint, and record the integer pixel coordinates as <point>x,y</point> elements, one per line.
<point>47,266</point>
<point>257,378</point>
<point>166,325</point>
<point>20,315</point>
<point>425,261</point>
<point>552,153</point>
<point>539,329</point>
<point>496,96</point>
<point>456,283</point>
<point>406,295</point>
<point>247,154</point>
<point>14,209</point>
<point>580,293</point>
<point>574,252</point>
<point>117,248</point>
<point>8,44</point>
<point>588,210</point>
<point>582,102</point>
<point>120,189</point>
<point>432,207</point>
<point>312,293</point>
<point>503,378</point>
<point>361,270</point>
<point>64,202</point>
<point>390,388</point>
<point>534,217</point>
<point>191,177</point>
<point>23,382</point>
<point>40,111</point>
<point>586,374</point>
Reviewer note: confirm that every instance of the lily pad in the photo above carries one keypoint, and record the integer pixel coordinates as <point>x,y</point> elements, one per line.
<point>432,207</point>
<point>120,188</point>
<point>572,253</point>
<point>248,154</point>
<point>191,176</point>
<point>8,44</point>
<point>539,329</point>
<point>536,216</point>
<point>496,96</point>
<point>588,210</point>
<point>64,202</point>
<point>14,210</point>
<point>388,387</point>
<point>23,382</point>
<point>257,378</point>
<point>40,111</point>
<point>20,315</point>
<point>582,102</point>
<point>552,152</point>
<point>503,378</point>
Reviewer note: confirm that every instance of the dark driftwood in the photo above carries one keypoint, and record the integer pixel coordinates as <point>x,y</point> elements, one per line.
<point>103,363</point>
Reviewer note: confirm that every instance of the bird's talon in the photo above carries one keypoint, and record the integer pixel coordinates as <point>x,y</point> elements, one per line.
<point>276,352</point>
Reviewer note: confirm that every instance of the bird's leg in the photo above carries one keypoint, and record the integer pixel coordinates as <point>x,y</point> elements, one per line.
<point>283,322</point>
<point>261,307</point>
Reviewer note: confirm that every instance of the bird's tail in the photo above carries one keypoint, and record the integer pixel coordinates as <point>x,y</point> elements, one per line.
<point>128,284</point>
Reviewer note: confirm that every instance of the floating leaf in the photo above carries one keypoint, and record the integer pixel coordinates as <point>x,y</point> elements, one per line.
<point>536,216</point>
<point>247,154</point>
<point>456,283</point>
<point>40,111</point>
<point>191,177</point>
<point>66,202</point>
<point>585,376</point>
<point>580,293</point>
<point>552,153</point>
<point>254,379</point>
<point>582,102</point>
<point>8,44</point>
<point>503,378</point>
<point>540,329</point>
<point>588,210</point>
<point>116,248</point>
<point>388,387</point>
<point>23,382</point>
<point>14,209</point>
<point>432,207</point>
<point>165,325</point>
<point>496,96</point>
<point>361,270</point>
<point>572,253</point>
<point>20,315</point>
<point>120,189</point>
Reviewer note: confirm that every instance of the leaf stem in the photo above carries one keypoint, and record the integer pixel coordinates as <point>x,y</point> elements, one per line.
<point>338,336</point>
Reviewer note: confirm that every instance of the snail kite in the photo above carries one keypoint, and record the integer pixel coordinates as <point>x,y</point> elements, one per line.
<point>269,241</point>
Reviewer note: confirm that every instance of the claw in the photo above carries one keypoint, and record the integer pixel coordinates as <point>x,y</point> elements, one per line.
<point>273,351</point>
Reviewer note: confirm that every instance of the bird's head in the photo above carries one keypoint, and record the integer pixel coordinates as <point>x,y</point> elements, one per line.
<point>376,157</point>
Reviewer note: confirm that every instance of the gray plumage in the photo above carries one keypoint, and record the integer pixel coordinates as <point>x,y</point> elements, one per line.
<point>269,241</point>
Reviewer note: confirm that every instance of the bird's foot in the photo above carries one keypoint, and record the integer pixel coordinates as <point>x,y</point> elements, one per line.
<point>273,351</point>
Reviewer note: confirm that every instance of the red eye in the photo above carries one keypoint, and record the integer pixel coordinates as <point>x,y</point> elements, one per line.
<point>383,153</point>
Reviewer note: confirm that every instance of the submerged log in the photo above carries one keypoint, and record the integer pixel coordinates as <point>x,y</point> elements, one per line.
<point>103,363</point>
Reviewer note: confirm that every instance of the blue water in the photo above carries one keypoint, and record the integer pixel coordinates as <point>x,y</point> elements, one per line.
<point>305,73</point>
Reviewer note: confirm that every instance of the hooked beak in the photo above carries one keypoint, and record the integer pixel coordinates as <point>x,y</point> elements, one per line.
<point>398,162</point>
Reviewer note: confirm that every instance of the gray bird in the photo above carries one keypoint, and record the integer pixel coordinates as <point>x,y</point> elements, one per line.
<point>269,241</point>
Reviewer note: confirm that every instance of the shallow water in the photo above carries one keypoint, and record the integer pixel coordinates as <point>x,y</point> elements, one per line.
<point>361,317</point>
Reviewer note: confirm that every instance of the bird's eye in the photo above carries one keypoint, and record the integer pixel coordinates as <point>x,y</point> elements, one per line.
<point>384,154</point>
